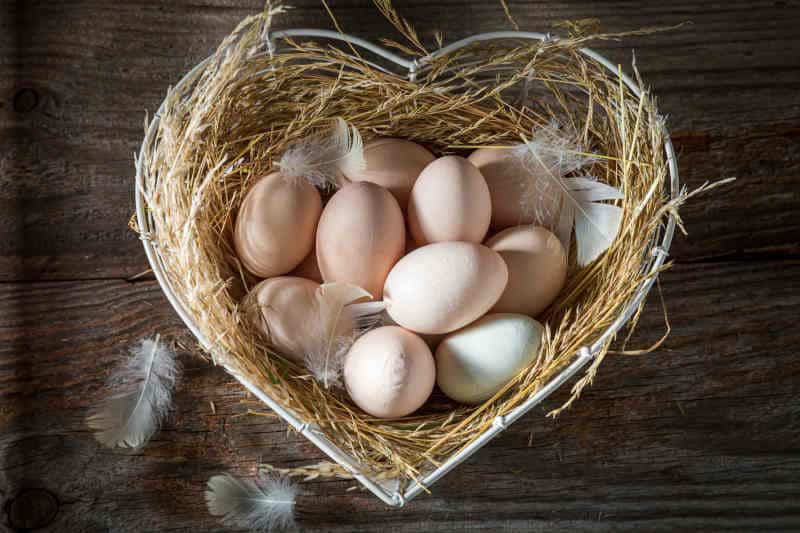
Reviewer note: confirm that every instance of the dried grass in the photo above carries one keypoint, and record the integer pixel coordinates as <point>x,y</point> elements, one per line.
<point>230,123</point>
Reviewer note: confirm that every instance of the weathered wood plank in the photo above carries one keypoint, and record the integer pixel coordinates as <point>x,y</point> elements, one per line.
<point>76,78</point>
<point>701,434</point>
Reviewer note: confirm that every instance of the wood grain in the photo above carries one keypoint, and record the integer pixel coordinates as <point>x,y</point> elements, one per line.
<point>81,75</point>
<point>701,434</point>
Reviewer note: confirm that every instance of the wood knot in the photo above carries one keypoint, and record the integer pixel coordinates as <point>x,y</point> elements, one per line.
<point>32,509</point>
<point>26,100</point>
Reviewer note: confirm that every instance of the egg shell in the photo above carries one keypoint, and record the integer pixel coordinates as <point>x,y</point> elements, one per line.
<point>285,306</point>
<point>444,286</point>
<point>449,202</point>
<point>516,196</point>
<point>309,268</point>
<point>432,340</point>
<point>394,164</point>
<point>475,362</point>
<point>360,236</point>
<point>389,372</point>
<point>275,225</point>
<point>537,269</point>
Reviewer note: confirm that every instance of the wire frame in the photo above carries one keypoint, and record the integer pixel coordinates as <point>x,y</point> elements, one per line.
<point>397,492</point>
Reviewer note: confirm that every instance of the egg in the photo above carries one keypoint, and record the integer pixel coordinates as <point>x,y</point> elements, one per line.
<point>517,197</point>
<point>449,202</point>
<point>360,236</point>
<point>389,372</point>
<point>444,286</point>
<point>474,363</point>
<point>432,340</point>
<point>282,309</point>
<point>275,225</point>
<point>537,269</point>
<point>309,268</point>
<point>393,164</point>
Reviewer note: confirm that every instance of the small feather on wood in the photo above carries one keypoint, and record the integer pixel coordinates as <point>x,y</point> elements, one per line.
<point>144,384</point>
<point>267,504</point>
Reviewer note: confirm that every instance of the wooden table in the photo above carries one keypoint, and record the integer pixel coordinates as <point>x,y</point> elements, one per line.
<point>702,434</point>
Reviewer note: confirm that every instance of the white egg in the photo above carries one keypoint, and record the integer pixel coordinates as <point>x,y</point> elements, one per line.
<point>475,362</point>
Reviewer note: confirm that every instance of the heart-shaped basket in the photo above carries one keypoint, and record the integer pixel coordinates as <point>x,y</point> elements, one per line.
<point>166,244</point>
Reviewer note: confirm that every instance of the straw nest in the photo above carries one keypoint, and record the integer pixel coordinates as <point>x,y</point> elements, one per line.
<point>231,120</point>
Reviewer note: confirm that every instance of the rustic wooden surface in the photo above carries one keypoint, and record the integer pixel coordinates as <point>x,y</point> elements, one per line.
<point>702,434</point>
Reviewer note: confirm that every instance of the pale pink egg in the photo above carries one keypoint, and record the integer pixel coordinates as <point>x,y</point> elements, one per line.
<point>285,309</point>
<point>449,202</point>
<point>389,372</point>
<point>518,197</point>
<point>537,269</point>
<point>360,237</point>
<point>394,164</point>
<point>444,286</point>
<point>275,225</point>
<point>282,309</point>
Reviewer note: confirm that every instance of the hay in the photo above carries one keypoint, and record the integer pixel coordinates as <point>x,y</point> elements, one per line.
<point>229,124</point>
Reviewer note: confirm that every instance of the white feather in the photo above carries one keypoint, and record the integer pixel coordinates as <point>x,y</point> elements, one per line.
<point>340,322</point>
<point>570,202</point>
<point>366,315</point>
<point>263,505</point>
<point>145,382</point>
<point>547,157</point>
<point>322,159</point>
<point>596,224</point>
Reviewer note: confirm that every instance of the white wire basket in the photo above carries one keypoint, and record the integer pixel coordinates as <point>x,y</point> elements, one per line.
<point>397,492</point>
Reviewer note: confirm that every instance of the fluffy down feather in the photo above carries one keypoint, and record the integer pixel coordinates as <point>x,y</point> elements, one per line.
<point>266,504</point>
<point>144,395</point>
<point>322,159</point>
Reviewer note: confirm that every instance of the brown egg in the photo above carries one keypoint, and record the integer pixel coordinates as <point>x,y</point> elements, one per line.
<point>517,197</point>
<point>444,286</point>
<point>389,372</point>
<point>394,164</point>
<point>276,224</point>
<point>537,269</point>
<point>309,268</point>
<point>449,202</point>
<point>360,237</point>
<point>282,308</point>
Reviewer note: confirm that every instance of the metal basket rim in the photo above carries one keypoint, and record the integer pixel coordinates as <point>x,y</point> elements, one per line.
<point>390,491</point>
